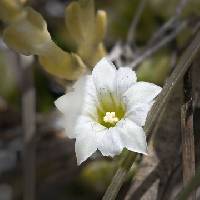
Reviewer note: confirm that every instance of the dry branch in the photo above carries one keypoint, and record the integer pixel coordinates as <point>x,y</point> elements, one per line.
<point>188,147</point>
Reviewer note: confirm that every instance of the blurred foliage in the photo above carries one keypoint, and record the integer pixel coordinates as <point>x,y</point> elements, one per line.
<point>87,30</point>
<point>45,97</point>
<point>97,174</point>
<point>10,10</point>
<point>121,18</point>
<point>8,86</point>
<point>182,39</point>
<point>169,6</point>
<point>32,25</point>
<point>121,13</point>
<point>155,69</point>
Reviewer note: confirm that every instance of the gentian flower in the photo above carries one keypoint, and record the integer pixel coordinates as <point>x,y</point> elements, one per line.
<point>107,110</point>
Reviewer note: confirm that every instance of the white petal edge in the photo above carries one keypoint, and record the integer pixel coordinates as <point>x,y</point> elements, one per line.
<point>103,76</point>
<point>86,140</point>
<point>65,102</point>
<point>141,92</point>
<point>138,113</point>
<point>70,105</point>
<point>125,78</point>
<point>109,142</point>
<point>132,136</point>
<point>85,146</point>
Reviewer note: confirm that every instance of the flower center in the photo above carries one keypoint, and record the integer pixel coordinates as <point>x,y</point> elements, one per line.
<point>110,117</point>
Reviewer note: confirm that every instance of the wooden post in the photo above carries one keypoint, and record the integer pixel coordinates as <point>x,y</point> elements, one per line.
<point>188,147</point>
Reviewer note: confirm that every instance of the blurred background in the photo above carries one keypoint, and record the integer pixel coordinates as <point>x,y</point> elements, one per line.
<point>50,167</point>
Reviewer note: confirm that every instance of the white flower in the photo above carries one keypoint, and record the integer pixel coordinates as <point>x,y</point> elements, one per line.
<point>107,110</point>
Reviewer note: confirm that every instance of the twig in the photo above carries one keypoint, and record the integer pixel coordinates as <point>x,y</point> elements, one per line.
<point>178,73</point>
<point>188,149</point>
<point>156,47</point>
<point>158,34</point>
<point>140,189</point>
<point>29,128</point>
<point>180,7</point>
<point>115,52</point>
<point>131,33</point>
<point>170,23</point>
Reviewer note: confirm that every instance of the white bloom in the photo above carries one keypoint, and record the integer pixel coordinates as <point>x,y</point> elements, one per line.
<point>106,111</point>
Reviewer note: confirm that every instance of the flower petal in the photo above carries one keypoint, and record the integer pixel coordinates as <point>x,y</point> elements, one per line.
<point>70,105</point>
<point>141,92</point>
<point>84,147</point>
<point>125,78</point>
<point>65,102</point>
<point>104,75</point>
<point>104,79</point>
<point>132,136</point>
<point>138,113</point>
<point>90,100</point>
<point>86,140</point>
<point>109,142</point>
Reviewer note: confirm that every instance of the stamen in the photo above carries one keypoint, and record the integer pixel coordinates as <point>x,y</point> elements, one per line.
<point>110,118</point>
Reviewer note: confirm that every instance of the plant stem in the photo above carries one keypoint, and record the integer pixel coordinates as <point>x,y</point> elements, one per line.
<point>171,23</point>
<point>151,50</point>
<point>131,33</point>
<point>120,176</point>
<point>29,129</point>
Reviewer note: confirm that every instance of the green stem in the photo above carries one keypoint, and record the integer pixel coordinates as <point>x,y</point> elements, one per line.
<point>120,176</point>
<point>185,61</point>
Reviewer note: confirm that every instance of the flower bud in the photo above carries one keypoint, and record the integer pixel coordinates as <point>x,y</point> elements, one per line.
<point>101,23</point>
<point>29,34</point>
<point>10,10</point>
<point>62,64</point>
<point>87,30</point>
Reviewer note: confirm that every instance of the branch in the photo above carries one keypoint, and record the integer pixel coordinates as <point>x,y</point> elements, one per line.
<point>156,47</point>
<point>180,7</point>
<point>178,73</point>
<point>172,22</point>
<point>127,51</point>
<point>134,23</point>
